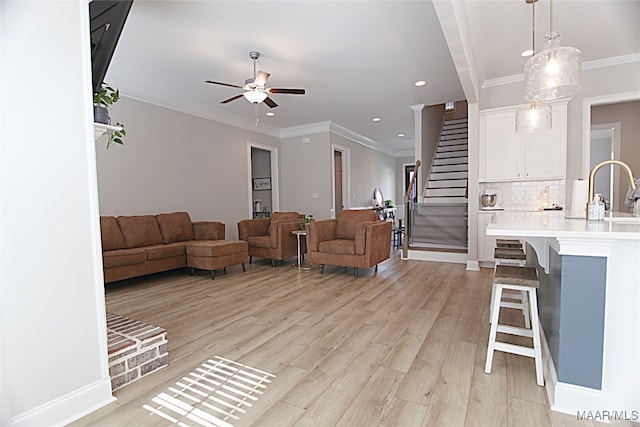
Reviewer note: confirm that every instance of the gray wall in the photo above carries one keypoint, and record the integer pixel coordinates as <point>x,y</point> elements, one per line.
<point>172,161</point>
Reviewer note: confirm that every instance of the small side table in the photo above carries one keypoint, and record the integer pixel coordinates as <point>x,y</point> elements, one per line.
<point>300,265</point>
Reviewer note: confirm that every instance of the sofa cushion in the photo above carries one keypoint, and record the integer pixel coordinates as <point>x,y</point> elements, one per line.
<point>338,247</point>
<point>278,216</point>
<point>346,227</point>
<point>165,251</point>
<point>140,231</point>
<point>122,257</point>
<point>175,227</point>
<point>259,241</point>
<point>111,235</point>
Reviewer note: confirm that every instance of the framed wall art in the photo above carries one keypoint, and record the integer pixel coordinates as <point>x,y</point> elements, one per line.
<point>261,184</point>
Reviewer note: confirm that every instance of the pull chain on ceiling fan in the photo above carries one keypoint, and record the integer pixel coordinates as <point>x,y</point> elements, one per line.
<point>255,90</point>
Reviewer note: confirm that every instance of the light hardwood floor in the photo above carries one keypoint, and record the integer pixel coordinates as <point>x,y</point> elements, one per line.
<point>405,346</point>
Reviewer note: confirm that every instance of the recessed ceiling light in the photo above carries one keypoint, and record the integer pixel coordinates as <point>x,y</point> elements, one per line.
<point>270,114</point>
<point>526,53</point>
<point>420,83</point>
<point>376,119</point>
<point>401,135</point>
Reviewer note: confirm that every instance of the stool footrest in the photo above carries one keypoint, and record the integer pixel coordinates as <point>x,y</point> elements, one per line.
<point>515,349</point>
<point>516,305</point>
<point>513,330</point>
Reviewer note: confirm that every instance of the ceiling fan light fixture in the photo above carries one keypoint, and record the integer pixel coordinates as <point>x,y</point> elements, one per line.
<point>533,117</point>
<point>255,96</point>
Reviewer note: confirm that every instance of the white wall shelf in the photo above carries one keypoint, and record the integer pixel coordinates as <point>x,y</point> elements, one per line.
<point>100,129</point>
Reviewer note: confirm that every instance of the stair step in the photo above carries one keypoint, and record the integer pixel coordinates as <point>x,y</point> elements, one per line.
<point>451,154</point>
<point>454,121</point>
<point>455,131</point>
<point>445,192</point>
<point>449,168</point>
<point>462,134</point>
<point>455,125</point>
<point>451,161</point>
<point>454,147</point>
<point>446,183</point>
<point>445,200</point>
<point>453,139</point>
<point>436,176</point>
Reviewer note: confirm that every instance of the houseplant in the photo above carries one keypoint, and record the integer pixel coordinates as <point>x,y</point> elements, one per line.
<point>102,99</point>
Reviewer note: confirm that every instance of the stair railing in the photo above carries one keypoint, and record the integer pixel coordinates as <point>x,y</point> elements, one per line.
<point>407,209</point>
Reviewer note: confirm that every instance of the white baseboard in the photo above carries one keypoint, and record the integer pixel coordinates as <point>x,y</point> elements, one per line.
<point>70,407</point>
<point>453,257</point>
<point>473,266</point>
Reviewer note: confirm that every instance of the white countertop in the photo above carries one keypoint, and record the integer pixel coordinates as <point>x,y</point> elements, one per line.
<point>554,224</point>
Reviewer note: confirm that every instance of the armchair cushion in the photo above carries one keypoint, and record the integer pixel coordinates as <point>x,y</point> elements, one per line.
<point>348,219</point>
<point>259,241</point>
<point>175,227</point>
<point>338,247</point>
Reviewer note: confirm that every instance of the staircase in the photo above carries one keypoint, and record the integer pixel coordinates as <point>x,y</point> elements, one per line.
<point>440,221</point>
<point>448,178</point>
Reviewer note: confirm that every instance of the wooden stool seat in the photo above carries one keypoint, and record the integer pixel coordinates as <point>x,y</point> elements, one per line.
<point>508,243</point>
<point>522,279</point>
<point>509,254</point>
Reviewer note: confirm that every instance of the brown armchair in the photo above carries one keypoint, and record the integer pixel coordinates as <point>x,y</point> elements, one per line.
<point>358,239</point>
<point>271,237</point>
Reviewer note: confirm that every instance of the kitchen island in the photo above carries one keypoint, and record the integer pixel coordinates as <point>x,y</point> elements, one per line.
<point>589,307</point>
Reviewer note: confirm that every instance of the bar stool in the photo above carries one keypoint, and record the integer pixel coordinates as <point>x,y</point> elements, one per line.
<point>523,279</point>
<point>508,243</point>
<point>518,300</point>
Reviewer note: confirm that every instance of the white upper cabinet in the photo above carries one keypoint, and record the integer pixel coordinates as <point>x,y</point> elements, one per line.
<point>507,155</point>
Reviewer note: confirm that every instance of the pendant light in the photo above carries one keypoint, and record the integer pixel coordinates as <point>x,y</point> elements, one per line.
<point>554,73</point>
<point>537,115</point>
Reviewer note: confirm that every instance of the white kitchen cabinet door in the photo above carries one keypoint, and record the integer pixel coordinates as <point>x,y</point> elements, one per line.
<point>507,155</point>
<point>500,147</point>
<point>546,150</point>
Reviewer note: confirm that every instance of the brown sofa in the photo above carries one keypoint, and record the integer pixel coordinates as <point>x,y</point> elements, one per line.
<point>358,239</point>
<point>137,245</point>
<point>271,237</point>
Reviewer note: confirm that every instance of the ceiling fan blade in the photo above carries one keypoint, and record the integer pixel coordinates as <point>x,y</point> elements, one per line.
<point>233,98</point>
<point>223,84</point>
<point>289,91</point>
<point>270,103</point>
<point>261,78</point>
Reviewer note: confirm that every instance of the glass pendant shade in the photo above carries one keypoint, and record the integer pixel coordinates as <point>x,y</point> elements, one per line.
<point>533,117</point>
<point>255,96</point>
<point>554,73</point>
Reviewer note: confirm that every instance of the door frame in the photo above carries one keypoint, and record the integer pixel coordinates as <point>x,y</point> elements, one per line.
<point>346,178</point>
<point>275,185</point>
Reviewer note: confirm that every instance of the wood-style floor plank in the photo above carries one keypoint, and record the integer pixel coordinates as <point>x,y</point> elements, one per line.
<point>403,346</point>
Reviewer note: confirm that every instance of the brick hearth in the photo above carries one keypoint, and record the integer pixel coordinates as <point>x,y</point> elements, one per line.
<point>135,349</point>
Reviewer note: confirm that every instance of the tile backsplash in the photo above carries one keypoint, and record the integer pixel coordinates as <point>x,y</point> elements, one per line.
<point>526,195</point>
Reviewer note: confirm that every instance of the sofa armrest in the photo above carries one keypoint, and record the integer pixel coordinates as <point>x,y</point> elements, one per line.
<point>208,230</point>
<point>253,227</point>
<point>320,231</point>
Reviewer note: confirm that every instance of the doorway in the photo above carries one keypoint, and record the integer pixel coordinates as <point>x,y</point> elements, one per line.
<point>605,145</point>
<point>262,162</point>
<point>340,178</point>
<point>409,170</point>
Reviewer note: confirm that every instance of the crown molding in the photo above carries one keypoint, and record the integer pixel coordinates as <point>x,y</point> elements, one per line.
<point>589,65</point>
<point>268,130</point>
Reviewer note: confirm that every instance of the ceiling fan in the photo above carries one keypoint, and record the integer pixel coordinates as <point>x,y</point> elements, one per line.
<point>255,90</point>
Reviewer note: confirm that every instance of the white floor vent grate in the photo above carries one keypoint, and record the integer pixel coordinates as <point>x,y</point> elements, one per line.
<point>215,394</point>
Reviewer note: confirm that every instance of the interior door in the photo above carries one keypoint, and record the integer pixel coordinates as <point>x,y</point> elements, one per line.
<point>338,182</point>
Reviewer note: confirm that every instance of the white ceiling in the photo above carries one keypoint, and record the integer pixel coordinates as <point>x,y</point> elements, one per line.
<point>356,59</point>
